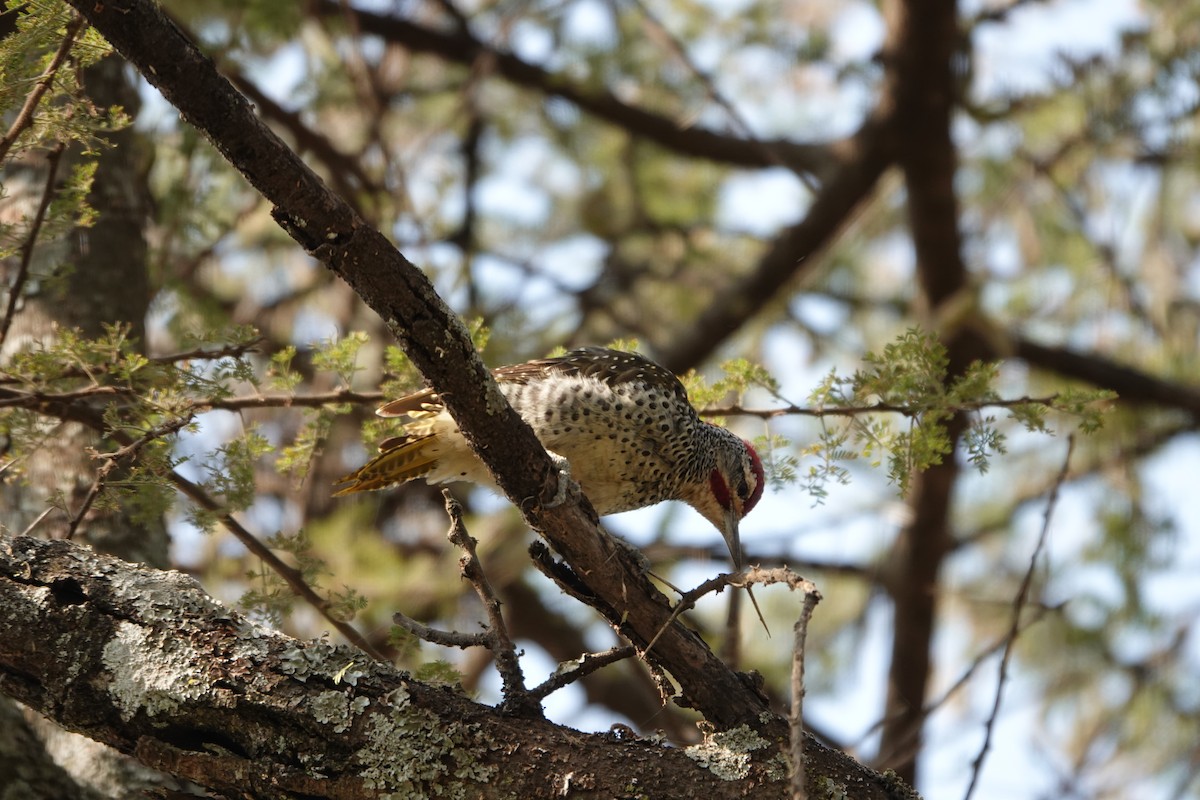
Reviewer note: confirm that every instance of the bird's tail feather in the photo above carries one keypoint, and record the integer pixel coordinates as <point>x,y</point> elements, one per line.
<point>400,459</point>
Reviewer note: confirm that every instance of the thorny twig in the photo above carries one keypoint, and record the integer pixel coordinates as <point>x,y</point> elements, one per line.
<point>517,698</point>
<point>688,599</point>
<point>794,582</point>
<point>1015,626</point>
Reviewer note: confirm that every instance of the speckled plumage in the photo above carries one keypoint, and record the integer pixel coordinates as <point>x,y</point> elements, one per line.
<point>623,423</point>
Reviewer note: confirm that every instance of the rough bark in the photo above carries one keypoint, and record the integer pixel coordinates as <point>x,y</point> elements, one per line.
<point>146,662</point>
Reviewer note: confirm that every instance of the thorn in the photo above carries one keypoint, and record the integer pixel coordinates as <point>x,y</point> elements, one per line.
<point>758,611</point>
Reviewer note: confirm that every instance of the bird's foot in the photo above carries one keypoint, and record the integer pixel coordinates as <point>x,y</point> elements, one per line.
<point>566,484</point>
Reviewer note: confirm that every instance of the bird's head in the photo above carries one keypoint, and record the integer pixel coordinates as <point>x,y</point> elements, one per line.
<point>733,488</point>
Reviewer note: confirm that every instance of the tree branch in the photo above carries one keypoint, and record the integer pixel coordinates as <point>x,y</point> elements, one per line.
<point>1133,385</point>
<point>145,661</point>
<point>861,161</point>
<point>460,46</point>
<point>919,53</point>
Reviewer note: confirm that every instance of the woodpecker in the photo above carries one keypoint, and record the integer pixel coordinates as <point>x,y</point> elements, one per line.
<point>623,424</point>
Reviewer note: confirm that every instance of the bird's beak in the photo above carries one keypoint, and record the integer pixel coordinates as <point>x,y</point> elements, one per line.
<point>731,537</point>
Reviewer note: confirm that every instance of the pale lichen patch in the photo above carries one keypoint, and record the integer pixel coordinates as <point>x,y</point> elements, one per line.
<point>495,400</point>
<point>413,753</point>
<point>336,709</point>
<point>830,789</point>
<point>149,675</point>
<point>320,660</point>
<point>161,595</point>
<point>727,754</point>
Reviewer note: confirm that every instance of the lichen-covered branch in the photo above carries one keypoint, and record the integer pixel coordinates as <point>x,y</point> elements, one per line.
<point>145,661</point>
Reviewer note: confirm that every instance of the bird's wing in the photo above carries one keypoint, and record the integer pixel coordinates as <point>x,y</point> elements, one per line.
<point>610,366</point>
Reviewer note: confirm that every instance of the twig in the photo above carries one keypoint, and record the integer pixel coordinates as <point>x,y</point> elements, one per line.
<point>560,573</point>
<point>581,667</point>
<point>794,582</point>
<point>933,705</point>
<point>13,398</point>
<point>29,528</point>
<point>517,698</point>
<point>871,408</point>
<point>687,600</point>
<point>24,117</point>
<point>796,722</point>
<point>564,578</point>
<point>444,638</point>
<point>740,123</point>
<point>290,575</point>
<point>90,498</point>
<point>289,401</point>
<point>203,354</point>
<point>23,120</point>
<point>1015,626</point>
<point>53,158</point>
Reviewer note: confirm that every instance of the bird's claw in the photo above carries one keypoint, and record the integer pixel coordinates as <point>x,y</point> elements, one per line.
<point>566,484</point>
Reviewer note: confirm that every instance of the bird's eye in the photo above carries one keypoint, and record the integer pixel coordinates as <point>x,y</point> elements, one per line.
<point>743,489</point>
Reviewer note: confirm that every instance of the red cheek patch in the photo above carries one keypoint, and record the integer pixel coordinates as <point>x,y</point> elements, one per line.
<point>720,489</point>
